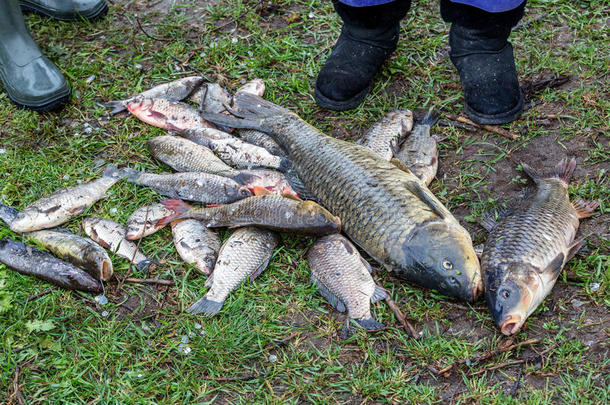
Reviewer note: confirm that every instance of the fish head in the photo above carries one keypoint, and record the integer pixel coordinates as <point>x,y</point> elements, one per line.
<point>316,219</point>
<point>239,192</point>
<point>512,298</point>
<point>23,221</point>
<point>441,257</point>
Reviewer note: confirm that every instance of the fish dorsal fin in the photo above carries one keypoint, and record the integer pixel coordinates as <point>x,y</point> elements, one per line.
<point>555,266</point>
<point>418,190</point>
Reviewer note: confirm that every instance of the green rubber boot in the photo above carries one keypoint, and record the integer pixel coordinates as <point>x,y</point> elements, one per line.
<point>29,78</point>
<point>67,10</point>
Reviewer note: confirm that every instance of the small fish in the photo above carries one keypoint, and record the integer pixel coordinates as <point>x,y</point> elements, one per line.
<point>196,244</point>
<point>419,151</point>
<point>244,155</point>
<point>201,187</point>
<point>261,139</point>
<point>211,97</point>
<point>170,115</point>
<point>59,207</point>
<point>111,236</point>
<point>268,211</point>
<point>82,252</point>
<point>527,248</point>
<point>33,262</point>
<point>172,91</point>
<point>343,277</point>
<point>255,86</point>
<point>245,254</point>
<point>183,155</point>
<point>384,136</point>
<point>143,221</point>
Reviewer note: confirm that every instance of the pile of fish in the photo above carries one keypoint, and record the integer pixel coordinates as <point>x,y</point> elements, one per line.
<point>260,168</point>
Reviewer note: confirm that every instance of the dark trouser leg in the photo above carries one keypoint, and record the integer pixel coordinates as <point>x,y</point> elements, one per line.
<point>369,35</point>
<point>29,78</point>
<point>484,58</point>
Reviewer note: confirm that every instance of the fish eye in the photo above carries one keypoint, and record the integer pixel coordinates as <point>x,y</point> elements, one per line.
<point>505,293</point>
<point>447,265</point>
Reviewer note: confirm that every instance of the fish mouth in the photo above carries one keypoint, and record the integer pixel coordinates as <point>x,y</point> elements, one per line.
<point>511,325</point>
<point>477,290</point>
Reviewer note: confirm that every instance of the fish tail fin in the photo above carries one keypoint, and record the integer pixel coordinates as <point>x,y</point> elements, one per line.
<point>379,294</point>
<point>368,324</point>
<point>584,209</point>
<point>564,170</point>
<point>131,174</point>
<point>178,206</point>
<point>205,307</point>
<point>116,105</point>
<point>249,112</point>
<point>113,171</point>
<point>430,118</point>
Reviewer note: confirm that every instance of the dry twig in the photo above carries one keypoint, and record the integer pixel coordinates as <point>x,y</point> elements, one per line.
<point>148,281</point>
<point>40,294</point>
<point>401,318</point>
<point>490,128</point>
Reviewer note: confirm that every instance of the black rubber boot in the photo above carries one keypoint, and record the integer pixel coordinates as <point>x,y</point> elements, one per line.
<point>29,78</point>
<point>67,10</point>
<point>484,58</point>
<point>368,37</point>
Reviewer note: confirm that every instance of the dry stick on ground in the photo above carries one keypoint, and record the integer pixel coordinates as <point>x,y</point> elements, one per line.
<point>148,281</point>
<point>529,21</point>
<point>487,355</point>
<point>513,391</point>
<point>490,128</point>
<point>401,318</point>
<point>16,391</point>
<point>154,38</point>
<point>40,294</point>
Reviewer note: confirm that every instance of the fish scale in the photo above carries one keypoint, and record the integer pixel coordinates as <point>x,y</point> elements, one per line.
<point>409,230</point>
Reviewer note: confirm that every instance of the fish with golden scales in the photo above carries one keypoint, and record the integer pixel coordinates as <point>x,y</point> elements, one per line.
<point>527,248</point>
<point>277,212</point>
<point>385,210</point>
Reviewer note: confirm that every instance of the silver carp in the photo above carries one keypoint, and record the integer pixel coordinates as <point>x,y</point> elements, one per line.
<point>143,221</point>
<point>419,151</point>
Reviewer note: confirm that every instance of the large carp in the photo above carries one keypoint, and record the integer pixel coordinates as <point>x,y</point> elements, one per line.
<point>384,209</point>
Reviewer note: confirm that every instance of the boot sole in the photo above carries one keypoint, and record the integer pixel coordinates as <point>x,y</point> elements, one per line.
<point>335,105</point>
<point>93,15</point>
<point>51,104</point>
<point>495,119</point>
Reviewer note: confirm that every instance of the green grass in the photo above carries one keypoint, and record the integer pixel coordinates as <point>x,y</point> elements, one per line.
<point>69,352</point>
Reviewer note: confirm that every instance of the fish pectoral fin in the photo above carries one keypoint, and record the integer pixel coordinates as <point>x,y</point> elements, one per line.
<point>291,196</point>
<point>260,269</point>
<point>490,219</point>
<point>575,247</point>
<point>399,164</point>
<point>417,189</point>
<point>209,281</point>
<point>555,266</point>
<point>379,294</point>
<point>584,209</point>
<point>330,297</point>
